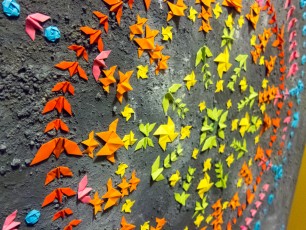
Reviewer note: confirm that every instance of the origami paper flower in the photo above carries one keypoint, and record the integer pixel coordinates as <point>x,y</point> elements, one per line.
<point>32,217</point>
<point>52,33</point>
<point>11,8</point>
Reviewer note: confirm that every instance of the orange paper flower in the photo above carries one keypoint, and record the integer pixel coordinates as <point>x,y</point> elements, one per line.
<point>72,224</point>
<point>103,19</point>
<point>112,142</point>
<point>115,6</point>
<point>109,78</point>
<point>56,146</point>
<point>112,195</point>
<point>57,173</point>
<point>94,36</point>
<point>236,4</point>
<point>176,9</point>
<point>134,181</point>
<point>62,213</point>
<point>73,68</point>
<point>138,27</point>
<point>59,103</point>
<point>80,51</point>
<point>56,124</point>
<point>58,194</point>
<point>123,85</point>
<point>64,86</point>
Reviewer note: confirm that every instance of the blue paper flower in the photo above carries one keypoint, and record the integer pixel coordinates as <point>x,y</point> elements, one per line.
<point>270,199</point>
<point>32,217</point>
<point>302,3</point>
<point>304,30</point>
<point>289,145</point>
<point>295,120</point>
<point>52,33</point>
<point>303,59</point>
<point>257,225</point>
<point>291,134</point>
<point>11,8</point>
<point>265,211</point>
<point>296,91</point>
<point>278,172</point>
<point>304,15</point>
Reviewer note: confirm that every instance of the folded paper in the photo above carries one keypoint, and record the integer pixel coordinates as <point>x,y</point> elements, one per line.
<point>11,8</point>
<point>33,23</point>
<point>52,33</point>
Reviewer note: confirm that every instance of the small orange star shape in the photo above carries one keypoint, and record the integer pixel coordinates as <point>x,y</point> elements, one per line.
<point>91,144</point>
<point>96,202</point>
<point>134,181</point>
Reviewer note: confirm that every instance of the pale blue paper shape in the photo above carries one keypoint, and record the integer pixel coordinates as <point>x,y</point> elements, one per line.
<point>32,217</point>
<point>11,8</point>
<point>52,33</point>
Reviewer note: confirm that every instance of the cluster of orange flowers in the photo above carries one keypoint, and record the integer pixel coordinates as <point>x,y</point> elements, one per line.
<point>147,44</point>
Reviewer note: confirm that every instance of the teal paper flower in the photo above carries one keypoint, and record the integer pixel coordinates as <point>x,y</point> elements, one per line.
<point>32,217</point>
<point>11,8</point>
<point>52,33</point>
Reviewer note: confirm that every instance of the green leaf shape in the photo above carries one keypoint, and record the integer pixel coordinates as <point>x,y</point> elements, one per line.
<point>179,149</point>
<point>213,125</point>
<point>221,134</point>
<point>189,177</point>
<point>173,156</point>
<point>191,170</point>
<point>145,141</point>
<point>156,171</point>
<point>240,147</point>
<point>256,123</point>
<point>237,71</point>
<point>234,78</point>
<point>227,38</point>
<point>207,127</point>
<point>181,198</point>
<point>242,58</point>
<point>231,85</point>
<point>141,144</point>
<point>222,120</point>
<point>221,183</point>
<point>200,207</point>
<point>174,88</point>
<point>214,113</point>
<point>198,57</point>
<point>203,53</point>
<point>147,128</point>
<point>202,138</point>
<point>208,53</point>
<point>209,143</point>
<point>167,162</point>
<point>176,103</point>
<point>208,83</point>
<point>166,103</point>
<point>249,100</point>
<point>206,73</point>
<point>186,186</point>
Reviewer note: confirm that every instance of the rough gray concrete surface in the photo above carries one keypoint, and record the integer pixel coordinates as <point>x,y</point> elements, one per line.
<point>27,75</point>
